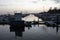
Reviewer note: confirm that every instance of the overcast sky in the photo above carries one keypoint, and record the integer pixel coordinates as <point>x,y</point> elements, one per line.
<point>28,5</point>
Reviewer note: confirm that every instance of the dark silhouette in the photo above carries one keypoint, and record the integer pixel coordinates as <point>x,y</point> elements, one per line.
<point>18,30</point>
<point>54,11</point>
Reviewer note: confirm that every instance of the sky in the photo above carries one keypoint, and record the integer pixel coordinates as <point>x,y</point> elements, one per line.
<point>30,6</point>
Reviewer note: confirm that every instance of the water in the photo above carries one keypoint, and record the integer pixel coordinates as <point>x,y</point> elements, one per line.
<point>35,32</point>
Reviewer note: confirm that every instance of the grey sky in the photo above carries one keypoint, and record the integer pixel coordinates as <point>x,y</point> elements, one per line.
<point>28,5</point>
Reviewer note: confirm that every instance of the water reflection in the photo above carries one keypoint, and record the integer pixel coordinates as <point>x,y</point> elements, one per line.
<point>20,28</point>
<point>57,27</point>
<point>30,32</point>
<point>18,31</point>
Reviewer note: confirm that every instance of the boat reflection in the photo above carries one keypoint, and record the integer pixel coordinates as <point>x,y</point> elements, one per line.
<point>21,28</point>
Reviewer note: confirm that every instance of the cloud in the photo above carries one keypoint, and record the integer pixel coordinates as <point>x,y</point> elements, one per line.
<point>57,1</point>
<point>29,5</point>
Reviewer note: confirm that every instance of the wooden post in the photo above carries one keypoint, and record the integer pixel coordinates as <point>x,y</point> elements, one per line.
<point>57,24</point>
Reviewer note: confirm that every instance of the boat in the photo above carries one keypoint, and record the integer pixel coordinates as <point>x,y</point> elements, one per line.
<point>17,20</point>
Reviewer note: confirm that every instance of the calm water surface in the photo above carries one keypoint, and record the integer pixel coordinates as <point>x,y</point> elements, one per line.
<point>35,32</point>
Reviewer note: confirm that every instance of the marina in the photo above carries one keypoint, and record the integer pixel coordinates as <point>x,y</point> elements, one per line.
<point>41,26</point>
<point>29,19</point>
